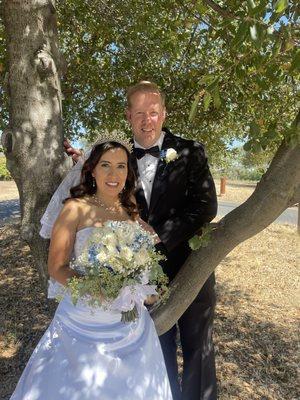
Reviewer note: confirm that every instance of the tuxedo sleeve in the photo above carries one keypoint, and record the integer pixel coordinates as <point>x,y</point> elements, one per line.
<point>200,205</point>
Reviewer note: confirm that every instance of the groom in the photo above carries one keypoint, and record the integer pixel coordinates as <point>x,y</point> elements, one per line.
<point>176,196</point>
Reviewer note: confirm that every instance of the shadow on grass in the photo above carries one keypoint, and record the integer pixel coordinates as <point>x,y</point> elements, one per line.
<point>9,210</point>
<point>256,353</point>
<point>25,311</point>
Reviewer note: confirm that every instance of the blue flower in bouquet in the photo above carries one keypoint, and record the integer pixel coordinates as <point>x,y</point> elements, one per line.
<point>140,240</point>
<point>92,253</point>
<point>118,255</point>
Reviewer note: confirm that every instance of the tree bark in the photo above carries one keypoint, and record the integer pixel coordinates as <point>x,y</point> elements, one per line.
<point>33,141</point>
<point>272,196</point>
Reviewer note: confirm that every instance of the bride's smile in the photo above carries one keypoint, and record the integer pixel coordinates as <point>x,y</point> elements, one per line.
<point>110,174</point>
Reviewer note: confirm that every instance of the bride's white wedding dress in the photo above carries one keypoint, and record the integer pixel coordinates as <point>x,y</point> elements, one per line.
<point>89,354</point>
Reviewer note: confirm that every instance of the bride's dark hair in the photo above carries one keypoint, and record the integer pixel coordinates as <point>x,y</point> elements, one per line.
<point>86,186</point>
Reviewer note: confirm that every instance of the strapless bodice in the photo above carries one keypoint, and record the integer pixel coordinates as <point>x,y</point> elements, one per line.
<point>81,237</point>
<point>56,289</point>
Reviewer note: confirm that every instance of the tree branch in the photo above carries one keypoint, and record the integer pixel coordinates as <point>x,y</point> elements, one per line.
<point>187,47</point>
<point>270,198</point>
<point>224,12</point>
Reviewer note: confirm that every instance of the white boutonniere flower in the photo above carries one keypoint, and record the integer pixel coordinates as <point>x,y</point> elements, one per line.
<point>170,155</point>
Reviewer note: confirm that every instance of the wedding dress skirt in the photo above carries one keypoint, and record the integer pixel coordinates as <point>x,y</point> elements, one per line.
<point>89,354</point>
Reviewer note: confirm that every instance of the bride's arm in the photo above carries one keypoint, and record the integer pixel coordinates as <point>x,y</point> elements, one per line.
<point>62,242</point>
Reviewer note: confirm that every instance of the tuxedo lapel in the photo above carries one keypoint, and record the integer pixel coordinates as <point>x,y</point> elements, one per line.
<point>161,172</point>
<point>157,184</point>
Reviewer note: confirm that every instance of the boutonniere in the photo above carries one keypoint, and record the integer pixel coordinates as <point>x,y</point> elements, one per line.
<point>169,155</point>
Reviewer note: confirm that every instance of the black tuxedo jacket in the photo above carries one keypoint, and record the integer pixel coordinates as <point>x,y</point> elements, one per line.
<point>183,198</point>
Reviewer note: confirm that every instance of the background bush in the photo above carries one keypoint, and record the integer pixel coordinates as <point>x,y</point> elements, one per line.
<point>242,174</point>
<point>4,173</point>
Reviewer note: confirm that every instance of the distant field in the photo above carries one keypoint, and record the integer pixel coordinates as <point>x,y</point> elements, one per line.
<point>236,191</point>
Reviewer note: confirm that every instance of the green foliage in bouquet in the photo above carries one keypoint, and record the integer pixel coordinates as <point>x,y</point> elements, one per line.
<point>120,255</point>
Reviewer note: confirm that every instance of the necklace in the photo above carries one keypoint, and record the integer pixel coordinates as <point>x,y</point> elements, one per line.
<point>113,209</point>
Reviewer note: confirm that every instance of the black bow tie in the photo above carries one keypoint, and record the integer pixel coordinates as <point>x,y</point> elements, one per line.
<point>139,153</point>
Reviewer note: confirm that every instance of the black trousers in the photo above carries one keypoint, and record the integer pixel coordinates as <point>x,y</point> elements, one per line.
<point>195,327</point>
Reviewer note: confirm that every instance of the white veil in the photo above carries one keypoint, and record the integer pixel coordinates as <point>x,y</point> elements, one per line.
<point>62,192</point>
<point>56,289</point>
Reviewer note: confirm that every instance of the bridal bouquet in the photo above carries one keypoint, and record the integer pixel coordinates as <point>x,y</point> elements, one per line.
<point>119,267</point>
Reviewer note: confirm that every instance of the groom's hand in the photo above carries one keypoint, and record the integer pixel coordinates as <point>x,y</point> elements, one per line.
<point>71,151</point>
<point>150,300</point>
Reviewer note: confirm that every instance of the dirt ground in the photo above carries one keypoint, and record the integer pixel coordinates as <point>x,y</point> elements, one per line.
<point>235,191</point>
<point>256,326</point>
<point>8,190</point>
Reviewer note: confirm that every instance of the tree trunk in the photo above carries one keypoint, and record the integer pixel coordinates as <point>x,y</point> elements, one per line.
<point>274,193</point>
<point>33,141</point>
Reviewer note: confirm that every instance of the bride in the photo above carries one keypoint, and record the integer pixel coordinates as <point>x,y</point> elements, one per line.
<point>89,354</point>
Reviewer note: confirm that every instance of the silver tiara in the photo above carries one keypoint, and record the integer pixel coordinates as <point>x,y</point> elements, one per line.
<point>114,136</point>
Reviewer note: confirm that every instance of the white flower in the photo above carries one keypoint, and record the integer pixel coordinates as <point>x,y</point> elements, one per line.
<point>110,239</point>
<point>171,155</point>
<point>111,248</point>
<point>126,253</point>
<point>123,237</point>
<point>129,233</point>
<point>102,256</point>
<point>142,257</point>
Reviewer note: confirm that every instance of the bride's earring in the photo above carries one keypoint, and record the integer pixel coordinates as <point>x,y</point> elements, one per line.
<point>94,183</point>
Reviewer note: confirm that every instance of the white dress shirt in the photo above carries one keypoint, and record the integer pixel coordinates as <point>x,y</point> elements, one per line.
<point>147,168</point>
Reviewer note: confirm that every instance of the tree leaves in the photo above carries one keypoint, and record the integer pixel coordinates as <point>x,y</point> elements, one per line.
<point>198,57</point>
<point>202,240</point>
<point>207,100</point>
<point>253,32</point>
<point>295,65</point>
<point>211,94</point>
<point>216,97</point>
<point>194,106</point>
<point>254,146</point>
<point>254,128</point>
<point>259,10</point>
<point>280,6</point>
<point>241,34</point>
<point>201,7</point>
